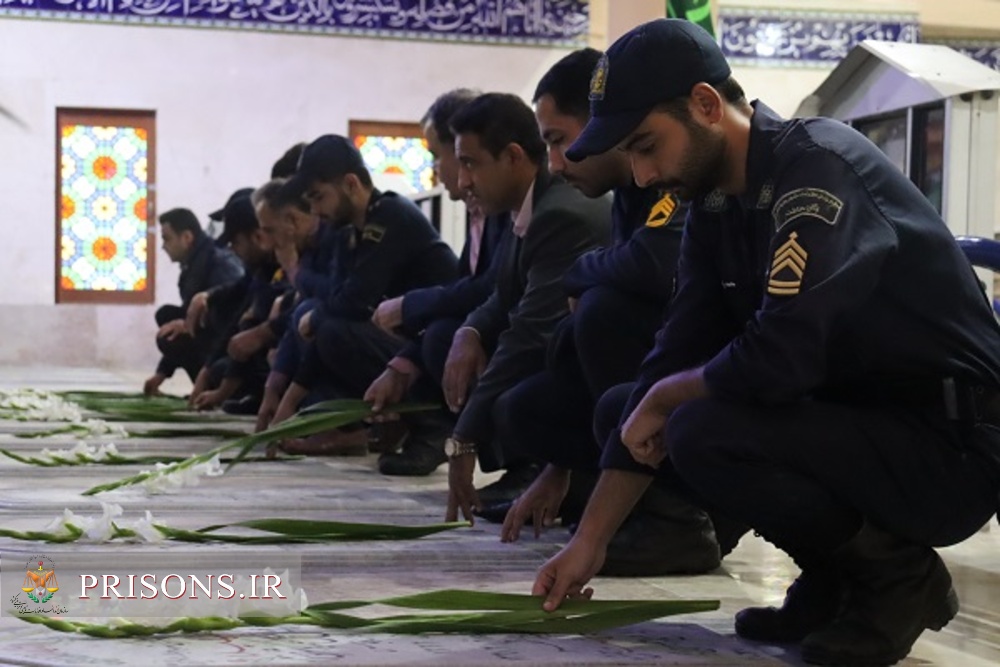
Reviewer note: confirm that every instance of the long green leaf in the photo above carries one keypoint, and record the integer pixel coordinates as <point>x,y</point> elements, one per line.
<point>297,426</point>
<point>574,617</point>
<point>314,421</point>
<point>207,432</point>
<point>358,531</point>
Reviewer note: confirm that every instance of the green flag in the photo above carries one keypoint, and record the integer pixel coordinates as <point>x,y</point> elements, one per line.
<point>696,11</point>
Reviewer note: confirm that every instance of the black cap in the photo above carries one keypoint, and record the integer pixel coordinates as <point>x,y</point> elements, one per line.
<point>653,63</point>
<point>239,217</point>
<point>327,158</point>
<point>242,192</point>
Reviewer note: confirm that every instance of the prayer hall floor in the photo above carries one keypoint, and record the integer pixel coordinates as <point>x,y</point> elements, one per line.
<point>352,490</point>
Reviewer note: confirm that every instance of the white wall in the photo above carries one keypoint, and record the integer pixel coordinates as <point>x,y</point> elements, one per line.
<point>228,104</point>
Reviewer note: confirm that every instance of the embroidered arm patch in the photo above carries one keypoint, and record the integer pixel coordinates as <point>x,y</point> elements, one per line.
<point>787,268</point>
<point>813,202</point>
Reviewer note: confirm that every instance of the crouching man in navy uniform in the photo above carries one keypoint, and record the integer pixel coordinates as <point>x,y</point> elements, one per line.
<point>829,370</point>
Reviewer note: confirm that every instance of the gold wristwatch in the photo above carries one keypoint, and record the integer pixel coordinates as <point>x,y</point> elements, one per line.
<point>454,448</point>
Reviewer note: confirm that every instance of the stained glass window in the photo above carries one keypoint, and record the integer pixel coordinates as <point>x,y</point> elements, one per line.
<point>396,150</point>
<point>103,208</point>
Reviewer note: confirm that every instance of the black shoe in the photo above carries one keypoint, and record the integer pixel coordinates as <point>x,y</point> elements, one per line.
<point>514,481</point>
<point>417,459</point>
<point>895,591</point>
<point>811,603</point>
<point>497,513</point>
<point>650,546</point>
<point>244,405</point>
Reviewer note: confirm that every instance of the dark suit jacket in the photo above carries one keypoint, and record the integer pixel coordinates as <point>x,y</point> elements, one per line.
<point>529,300</point>
<point>205,267</point>
<point>458,299</point>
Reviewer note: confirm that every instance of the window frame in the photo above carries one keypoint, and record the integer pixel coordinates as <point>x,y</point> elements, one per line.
<point>139,118</point>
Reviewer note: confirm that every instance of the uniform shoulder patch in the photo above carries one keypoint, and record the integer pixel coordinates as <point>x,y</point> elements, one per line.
<point>787,268</point>
<point>766,196</point>
<point>662,212</point>
<point>373,233</point>
<point>813,202</point>
<point>715,201</point>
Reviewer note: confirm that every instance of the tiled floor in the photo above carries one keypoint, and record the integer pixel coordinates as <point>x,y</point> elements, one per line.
<point>351,489</point>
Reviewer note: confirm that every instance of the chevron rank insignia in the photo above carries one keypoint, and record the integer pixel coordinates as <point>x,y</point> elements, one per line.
<point>787,268</point>
<point>662,211</point>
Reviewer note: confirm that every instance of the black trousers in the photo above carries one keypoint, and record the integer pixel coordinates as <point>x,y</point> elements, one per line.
<point>806,475</point>
<point>183,351</point>
<point>348,355</point>
<point>435,344</point>
<point>252,372</point>
<point>550,416</point>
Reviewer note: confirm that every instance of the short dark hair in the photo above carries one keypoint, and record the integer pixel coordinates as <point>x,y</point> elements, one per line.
<point>729,88</point>
<point>274,194</point>
<point>182,220</point>
<point>501,119</point>
<point>568,83</point>
<point>444,108</point>
<point>287,163</point>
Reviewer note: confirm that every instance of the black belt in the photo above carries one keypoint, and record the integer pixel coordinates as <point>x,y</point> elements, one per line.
<point>953,399</point>
<point>971,403</point>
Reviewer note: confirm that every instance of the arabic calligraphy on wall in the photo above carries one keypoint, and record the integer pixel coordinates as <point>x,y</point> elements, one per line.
<point>988,53</point>
<point>792,38</point>
<point>553,22</point>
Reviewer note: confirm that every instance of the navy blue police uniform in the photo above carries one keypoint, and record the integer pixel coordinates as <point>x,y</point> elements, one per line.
<point>395,251</point>
<point>853,366</point>
<point>313,280</point>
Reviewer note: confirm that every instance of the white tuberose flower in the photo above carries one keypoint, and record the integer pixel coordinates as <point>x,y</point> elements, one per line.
<point>39,405</point>
<point>171,478</point>
<point>100,529</point>
<point>146,529</point>
<point>101,427</point>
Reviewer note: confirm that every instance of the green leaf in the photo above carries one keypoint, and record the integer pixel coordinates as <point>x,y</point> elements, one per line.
<point>207,432</point>
<point>357,531</point>
<point>518,614</point>
<point>296,426</point>
<point>312,420</point>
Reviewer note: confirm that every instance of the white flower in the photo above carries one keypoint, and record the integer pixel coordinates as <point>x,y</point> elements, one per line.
<point>58,526</point>
<point>101,427</point>
<point>80,453</point>
<point>169,478</point>
<point>107,450</point>
<point>146,528</point>
<point>40,405</point>
<point>293,603</point>
<point>100,529</point>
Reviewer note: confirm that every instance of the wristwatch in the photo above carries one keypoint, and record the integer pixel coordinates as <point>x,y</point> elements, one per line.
<point>454,448</point>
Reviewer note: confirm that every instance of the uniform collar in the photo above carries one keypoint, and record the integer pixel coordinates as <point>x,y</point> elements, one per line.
<point>764,125</point>
<point>373,200</point>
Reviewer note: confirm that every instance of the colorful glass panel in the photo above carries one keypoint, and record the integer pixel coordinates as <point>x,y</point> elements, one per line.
<point>403,156</point>
<point>103,189</point>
